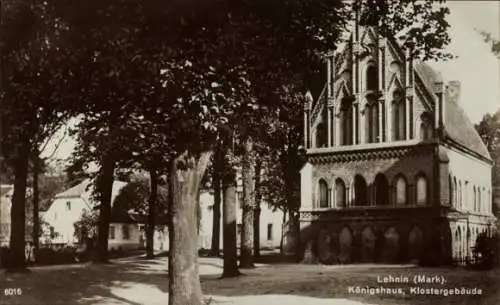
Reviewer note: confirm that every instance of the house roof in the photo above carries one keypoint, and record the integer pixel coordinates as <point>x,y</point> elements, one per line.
<point>6,189</point>
<point>84,188</point>
<point>75,191</point>
<point>458,126</point>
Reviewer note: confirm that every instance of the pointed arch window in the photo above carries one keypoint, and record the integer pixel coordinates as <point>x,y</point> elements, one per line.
<point>452,197</point>
<point>479,207</point>
<point>371,121</point>
<point>398,116</point>
<point>422,190</point>
<point>425,127</point>
<point>401,191</point>
<point>371,77</point>
<point>381,190</point>
<point>321,135</point>
<point>475,198</point>
<point>455,193</point>
<point>360,191</point>
<point>323,193</point>
<point>346,128</point>
<point>459,197</point>
<point>340,193</point>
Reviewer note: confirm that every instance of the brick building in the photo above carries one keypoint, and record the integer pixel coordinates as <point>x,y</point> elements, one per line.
<point>396,171</point>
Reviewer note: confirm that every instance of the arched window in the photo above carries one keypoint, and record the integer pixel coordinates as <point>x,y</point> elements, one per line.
<point>346,123</point>
<point>455,193</point>
<point>488,202</point>
<point>475,199</point>
<point>401,191</point>
<point>371,121</point>
<point>360,191</point>
<point>321,135</point>
<point>422,190</point>
<point>459,194</point>
<point>451,190</point>
<point>381,190</point>
<point>371,77</point>
<point>323,194</point>
<point>425,127</point>
<point>479,203</point>
<point>340,200</point>
<point>398,116</point>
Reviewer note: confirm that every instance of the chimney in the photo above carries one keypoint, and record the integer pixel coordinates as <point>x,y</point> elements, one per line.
<point>453,92</point>
<point>440,105</point>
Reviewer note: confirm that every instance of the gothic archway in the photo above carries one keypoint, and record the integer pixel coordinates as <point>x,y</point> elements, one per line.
<point>391,246</point>
<point>416,243</point>
<point>345,245</point>
<point>368,243</point>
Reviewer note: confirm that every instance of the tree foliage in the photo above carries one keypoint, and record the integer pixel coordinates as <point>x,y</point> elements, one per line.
<point>133,198</point>
<point>489,130</point>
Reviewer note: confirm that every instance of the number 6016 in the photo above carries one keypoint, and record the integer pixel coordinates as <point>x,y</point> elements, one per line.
<point>12,291</point>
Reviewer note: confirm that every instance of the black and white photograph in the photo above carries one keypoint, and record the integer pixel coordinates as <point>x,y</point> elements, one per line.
<point>217,152</point>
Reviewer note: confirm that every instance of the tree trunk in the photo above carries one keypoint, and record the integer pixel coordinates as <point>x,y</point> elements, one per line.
<point>248,177</point>
<point>216,184</point>
<point>184,281</point>
<point>17,260</point>
<point>283,228</point>
<point>150,230</point>
<point>230,266</point>
<point>256,211</point>
<point>36,201</point>
<point>104,187</point>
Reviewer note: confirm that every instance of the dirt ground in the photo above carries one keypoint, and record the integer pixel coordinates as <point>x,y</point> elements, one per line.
<point>137,281</point>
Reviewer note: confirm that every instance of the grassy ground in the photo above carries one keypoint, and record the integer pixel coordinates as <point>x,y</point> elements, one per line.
<point>138,281</point>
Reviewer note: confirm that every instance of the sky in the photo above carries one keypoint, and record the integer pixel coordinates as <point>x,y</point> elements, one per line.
<point>476,67</point>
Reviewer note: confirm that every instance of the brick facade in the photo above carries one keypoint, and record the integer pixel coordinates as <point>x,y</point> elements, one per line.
<point>383,158</point>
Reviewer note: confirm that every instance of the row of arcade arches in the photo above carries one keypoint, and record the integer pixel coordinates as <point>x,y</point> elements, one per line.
<point>398,192</point>
<point>385,247</point>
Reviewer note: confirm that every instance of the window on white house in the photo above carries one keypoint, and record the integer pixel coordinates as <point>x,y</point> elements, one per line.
<point>111,232</point>
<point>270,231</point>
<point>125,232</point>
<point>68,205</point>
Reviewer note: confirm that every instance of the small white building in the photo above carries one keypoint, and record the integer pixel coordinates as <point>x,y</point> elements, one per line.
<point>270,222</point>
<point>125,232</point>
<point>6,192</point>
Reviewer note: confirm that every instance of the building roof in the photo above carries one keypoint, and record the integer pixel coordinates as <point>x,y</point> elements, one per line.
<point>84,189</point>
<point>458,126</point>
<point>6,189</point>
<point>75,191</point>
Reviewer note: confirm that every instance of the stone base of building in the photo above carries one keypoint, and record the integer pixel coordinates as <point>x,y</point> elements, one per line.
<point>422,235</point>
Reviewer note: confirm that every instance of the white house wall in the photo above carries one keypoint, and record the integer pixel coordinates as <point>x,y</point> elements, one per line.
<point>137,238</point>
<point>267,217</point>
<point>471,172</point>
<point>63,219</point>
